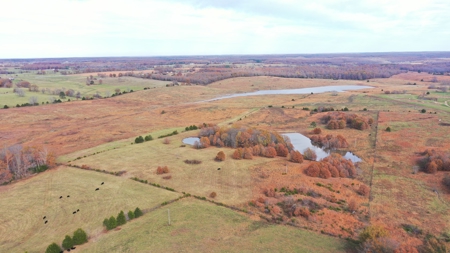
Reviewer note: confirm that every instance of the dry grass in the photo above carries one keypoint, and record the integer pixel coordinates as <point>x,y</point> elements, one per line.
<point>25,203</point>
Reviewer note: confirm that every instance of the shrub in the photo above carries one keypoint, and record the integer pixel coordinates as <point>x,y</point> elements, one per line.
<point>166,141</point>
<point>431,168</point>
<point>248,154</point>
<point>423,111</point>
<point>373,232</point>
<point>364,190</point>
<point>317,130</point>
<point>270,152</point>
<point>121,220</point>
<point>53,248</point>
<point>167,177</point>
<point>281,150</point>
<point>162,170</point>
<point>137,212</point>
<point>310,154</point>
<point>139,140</point>
<point>213,195</point>
<point>388,129</point>
<point>313,169</point>
<point>130,215</point>
<point>296,157</point>
<point>67,242</point>
<point>205,142</point>
<point>148,138</point>
<point>79,237</point>
<point>220,156</point>
<point>238,153</point>
<point>352,205</point>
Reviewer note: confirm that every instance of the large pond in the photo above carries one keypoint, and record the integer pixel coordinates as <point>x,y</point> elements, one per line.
<point>300,143</point>
<point>320,89</point>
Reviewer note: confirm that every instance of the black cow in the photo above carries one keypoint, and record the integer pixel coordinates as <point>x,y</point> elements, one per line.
<point>44,217</point>
<point>68,196</point>
<point>97,189</point>
<point>74,212</point>
<point>46,222</point>
<point>103,183</point>
<point>78,210</point>
<point>60,197</point>
<point>218,169</point>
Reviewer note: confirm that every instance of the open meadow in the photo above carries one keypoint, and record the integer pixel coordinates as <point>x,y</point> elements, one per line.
<point>100,134</point>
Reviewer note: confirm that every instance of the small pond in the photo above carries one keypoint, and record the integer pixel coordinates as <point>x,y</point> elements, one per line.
<point>300,143</point>
<point>190,140</point>
<point>320,89</point>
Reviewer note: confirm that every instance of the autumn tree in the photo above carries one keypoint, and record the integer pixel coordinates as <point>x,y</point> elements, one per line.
<point>205,142</point>
<point>281,150</point>
<point>220,156</point>
<point>310,154</point>
<point>364,190</point>
<point>238,154</point>
<point>296,157</point>
<point>162,170</point>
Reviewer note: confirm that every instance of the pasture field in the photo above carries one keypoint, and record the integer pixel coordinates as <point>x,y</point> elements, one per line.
<point>75,82</point>
<point>25,203</point>
<point>198,226</point>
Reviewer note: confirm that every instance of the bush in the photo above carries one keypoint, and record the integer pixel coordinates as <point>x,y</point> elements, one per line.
<point>192,161</point>
<point>53,248</point>
<point>364,190</point>
<point>382,245</point>
<point>310,154</point>
<point>121,220</point>
<point>130,215</point>
<point>213,195</point>
<point>296,157</point>
<point>5,107</point>
<point>238,153</point>
<point>388,129</point>
<point>67,242</point>
<point>423,111</point>
<point>162,170</point>
<point>79,237</point>
<point>220,156</point>
<point>137,212</point>
<point>317,130</point>
<point>373,232</point>
<point>166,141</point>
<point>139,140</point>
<point>148,138</point>
<point>313,169</point>
<point>281,150</point>
<point>352,205</point>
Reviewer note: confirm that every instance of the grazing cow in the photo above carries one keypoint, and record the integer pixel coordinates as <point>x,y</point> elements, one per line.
<point>78,210</point>
<point>103,183</point>
<point>218,169</point>
<point>44,217</point>
<point>74,212</point>
<point>74,247</point>
<point>46,222</point>
<point>68,196</point>
<point>97,189</point>
<point>68,250</point>
<point>60,197</point>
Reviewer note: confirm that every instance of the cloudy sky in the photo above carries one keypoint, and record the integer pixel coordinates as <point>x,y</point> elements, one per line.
<point>77,28</point>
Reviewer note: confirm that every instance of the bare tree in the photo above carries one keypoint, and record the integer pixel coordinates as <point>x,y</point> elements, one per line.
<point>33,100</point>
<point>20,92</point>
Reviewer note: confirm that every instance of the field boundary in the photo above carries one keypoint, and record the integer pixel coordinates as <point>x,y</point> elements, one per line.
<point>373,163</point>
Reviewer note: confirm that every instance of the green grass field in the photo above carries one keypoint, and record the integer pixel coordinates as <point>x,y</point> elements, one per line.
<point>198,226</point>
<point>25,203</point>
<point>75,82</point>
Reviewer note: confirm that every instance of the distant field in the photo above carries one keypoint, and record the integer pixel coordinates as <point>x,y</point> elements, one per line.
<point>24,204</point>
<point>202,227</point>
<point>74,82</point>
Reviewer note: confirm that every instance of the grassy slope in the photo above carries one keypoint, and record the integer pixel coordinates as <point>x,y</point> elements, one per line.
<point>23,205</point>
<point>202,227</point>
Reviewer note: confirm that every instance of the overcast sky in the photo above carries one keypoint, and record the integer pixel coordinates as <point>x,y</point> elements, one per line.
<point>71,28</point>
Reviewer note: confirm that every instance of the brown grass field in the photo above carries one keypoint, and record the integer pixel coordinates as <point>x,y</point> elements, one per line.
<point>100,133</point>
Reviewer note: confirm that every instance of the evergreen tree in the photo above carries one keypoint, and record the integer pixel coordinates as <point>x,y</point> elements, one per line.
<point>130,215</point>
<point>53,248</point>
<point>139,139</point>
<point>121,219</point>
<point>106,223</point>
<point>148,138</point>
<point>112,223</point>
<point>67,242</point>
<point>79,237</point>
<point>137,212</point>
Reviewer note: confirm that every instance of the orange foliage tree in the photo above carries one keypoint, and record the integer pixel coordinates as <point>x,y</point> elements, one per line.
<point>162,170</point>
<point>296,157</point>
<point>220,156</point>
